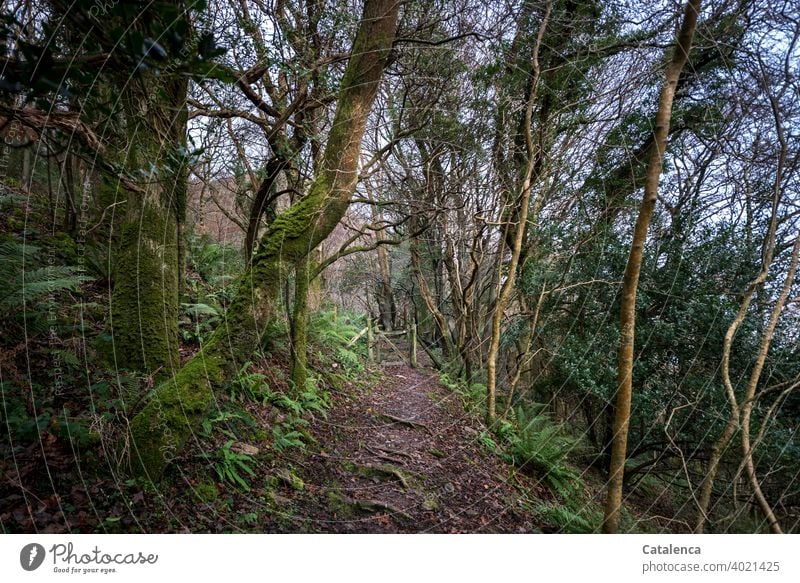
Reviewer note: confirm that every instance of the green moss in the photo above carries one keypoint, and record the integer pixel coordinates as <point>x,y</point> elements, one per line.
<point>144,304</point>
<point>338,503</point>
<point>290,479</point>
<point>206,492</point>
<point>431,502</point>
<point>174,411</point>
<point>178,406</point>
<point>260,435</point>
<point>300,327</point>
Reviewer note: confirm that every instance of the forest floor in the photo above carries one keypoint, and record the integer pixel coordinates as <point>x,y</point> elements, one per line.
<point>403,455</point>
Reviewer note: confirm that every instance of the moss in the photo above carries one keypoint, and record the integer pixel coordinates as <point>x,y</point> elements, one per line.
<point>260,435</point>
<point>206,492</point>
<point>144,304</point>
<point>431,503</point>
<point>290,479</point>
<point>175,409</point>
<point>339,504</point>
<point>380,472</point>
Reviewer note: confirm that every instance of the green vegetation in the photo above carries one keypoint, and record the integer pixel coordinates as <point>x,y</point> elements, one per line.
<point>230,466</point>
<point>232,246</point>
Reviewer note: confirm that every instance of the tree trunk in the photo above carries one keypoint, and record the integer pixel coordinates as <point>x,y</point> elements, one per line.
<point>300,324</point>
<point>176,407</point>
<point>145,299</point>
<point>261,201</point>
<point>718,449</point>
<point>519,232</point>
<point>631,278</point>
<point>439,318</point>
<point>386,306</point>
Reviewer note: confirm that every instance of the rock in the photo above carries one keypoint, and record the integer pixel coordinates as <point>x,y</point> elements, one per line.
<point>289,478</point>
<point>245,448</point>
<point>279,501</point>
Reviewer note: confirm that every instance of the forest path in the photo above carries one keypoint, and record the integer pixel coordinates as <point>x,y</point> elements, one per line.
<point>404,456</point>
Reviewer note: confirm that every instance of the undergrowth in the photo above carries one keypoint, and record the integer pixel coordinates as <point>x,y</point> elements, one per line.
<point>536,445</point>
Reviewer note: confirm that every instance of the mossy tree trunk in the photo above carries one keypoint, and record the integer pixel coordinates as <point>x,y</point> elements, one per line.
<point>149,257</point>
<point>176,407</point>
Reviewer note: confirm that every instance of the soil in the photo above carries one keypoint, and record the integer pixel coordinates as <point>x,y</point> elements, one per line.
<point>404,455</point>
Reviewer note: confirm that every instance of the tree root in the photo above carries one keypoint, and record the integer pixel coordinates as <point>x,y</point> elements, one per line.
<point>390,455</point>
<point>374,506</point>
<point>406,422</point>
<point>386,470</point>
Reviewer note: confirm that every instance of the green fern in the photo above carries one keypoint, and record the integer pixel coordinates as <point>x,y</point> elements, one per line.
<point>252,386</point>
<point>537,444</point>
<point>286,438</point>
<point>231,464</point>
<point>25,285</point>
<point>567,520</point>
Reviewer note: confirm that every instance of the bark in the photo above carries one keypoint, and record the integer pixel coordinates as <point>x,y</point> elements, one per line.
<point>430,302</point>
<point>386,306</point>
<point>741,415</point>
<point>766,340</point>
<point>176,407</point>
<point>300,324</point>
<point>264,196</point>
<point>434,184</point>
<point>633,268</point>
<point>519,232</point>
<point>145,298</point>
<point>720,445</point>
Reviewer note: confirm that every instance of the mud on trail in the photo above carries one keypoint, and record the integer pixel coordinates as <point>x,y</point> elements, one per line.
<point>404,456</point>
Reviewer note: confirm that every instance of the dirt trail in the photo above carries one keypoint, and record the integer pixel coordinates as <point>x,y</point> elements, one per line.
<point>404,456</point>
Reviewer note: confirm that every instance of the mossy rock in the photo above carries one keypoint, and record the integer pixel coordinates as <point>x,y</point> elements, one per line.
<point>290,479</point>
<point>278,502</point>
<point>206,492</point>
<point>339,504</point>
<point>381,472</point>
<point>431,502</point>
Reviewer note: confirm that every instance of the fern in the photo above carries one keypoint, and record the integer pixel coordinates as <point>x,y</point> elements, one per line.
<point>569,521</point>
<point>252,386</point>
<point>536,444</point>
<point>283,439</point>
<point>230,464</point>
<point>25,284</point>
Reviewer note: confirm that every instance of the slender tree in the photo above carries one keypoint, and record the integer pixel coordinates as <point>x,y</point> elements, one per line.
<point>633,268</point>
<point>518,230</point>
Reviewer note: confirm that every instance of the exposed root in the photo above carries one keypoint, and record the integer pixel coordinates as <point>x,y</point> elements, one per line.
<point>389,455</point>
<point>406,422</point>
<point>382,470</point>
<point>375,506</point>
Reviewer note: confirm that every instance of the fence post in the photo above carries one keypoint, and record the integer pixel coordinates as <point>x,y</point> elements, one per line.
<point>370,340</point>
<point>412,343</point>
